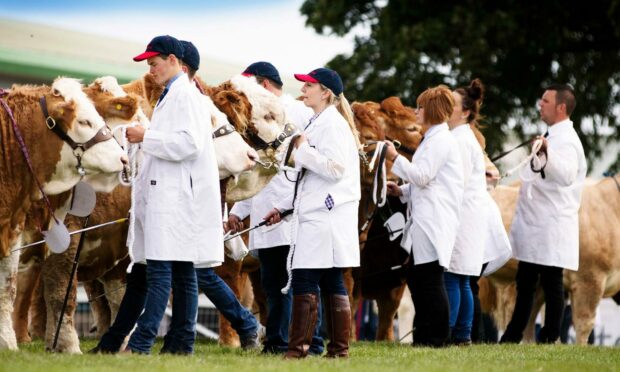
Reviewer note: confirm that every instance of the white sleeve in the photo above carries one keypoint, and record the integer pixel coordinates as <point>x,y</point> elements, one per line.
<point>406,193</point>
<point>425,167</point>
<point>242,208</point>
<point>329,162</point>
<point>562,164</point>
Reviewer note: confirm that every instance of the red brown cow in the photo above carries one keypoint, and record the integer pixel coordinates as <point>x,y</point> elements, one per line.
<point>55,166</point>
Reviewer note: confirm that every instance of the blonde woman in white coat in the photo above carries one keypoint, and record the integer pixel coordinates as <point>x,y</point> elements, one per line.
<point>545,230</point>
<point>325,237</point>
<point>434,195</point>
<point>468,250</point>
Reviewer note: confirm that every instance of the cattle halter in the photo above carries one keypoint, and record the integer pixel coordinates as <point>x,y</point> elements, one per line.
<point>103,134</point>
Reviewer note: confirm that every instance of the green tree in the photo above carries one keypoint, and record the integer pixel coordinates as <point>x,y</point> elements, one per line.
<point>515,47</point>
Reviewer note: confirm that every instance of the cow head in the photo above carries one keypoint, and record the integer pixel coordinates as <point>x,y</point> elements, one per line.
<point>258,115</point>
<point>103,158</point>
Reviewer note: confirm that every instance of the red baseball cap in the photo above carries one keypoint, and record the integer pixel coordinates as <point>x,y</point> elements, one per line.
<point>164,45</point>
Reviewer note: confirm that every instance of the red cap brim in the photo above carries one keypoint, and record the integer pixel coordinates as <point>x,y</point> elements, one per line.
<point>145,55</point>
<point>247,74</point>
<point>304,77</point>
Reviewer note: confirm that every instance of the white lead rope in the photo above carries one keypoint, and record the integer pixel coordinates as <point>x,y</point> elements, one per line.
<point>536,161</point>
<point>131,150</point>
<point>376,157</point>
<point>291,251</point>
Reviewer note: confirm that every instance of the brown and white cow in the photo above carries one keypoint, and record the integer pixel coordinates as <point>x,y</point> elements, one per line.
<point>55,164</point>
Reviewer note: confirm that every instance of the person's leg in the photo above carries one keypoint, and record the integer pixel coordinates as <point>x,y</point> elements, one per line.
<point>477,330</point>
<point>274,277</point>
<point>551,282</point>
<point>337,313</point>
<point>158,279</point>
<point>182,335</point>
<point>461,334</point>
<point>128,313</point>
<point>453,290</point>
<point>527,276</point>
<point>225,301</point>
<point>433,324</point>
<point>305,306</point>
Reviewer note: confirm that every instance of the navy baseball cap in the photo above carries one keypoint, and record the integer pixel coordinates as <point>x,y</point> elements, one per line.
<point>191,57</point>
<point>325,76</point>
<point>263,69</point>
<point>164,45</point>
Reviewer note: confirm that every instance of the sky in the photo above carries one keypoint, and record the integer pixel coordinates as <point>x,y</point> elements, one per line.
<point>236,31</point>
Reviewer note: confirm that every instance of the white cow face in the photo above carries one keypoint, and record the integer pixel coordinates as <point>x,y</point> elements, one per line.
<point>234,156</point>
<point>102,162</point>
<point>267,110</point>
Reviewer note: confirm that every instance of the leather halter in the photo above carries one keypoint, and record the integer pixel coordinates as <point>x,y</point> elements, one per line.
<point>223,130</point>
<point>102,134</point>
<point>260,144</point>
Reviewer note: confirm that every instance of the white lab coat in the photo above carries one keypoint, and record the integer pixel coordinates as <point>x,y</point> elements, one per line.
<point>434,195</point>
<point>258,206</point>
<point>178,214</point>
<point>469,246</point>
<point>326,238</point>
<point>545,229</point>
<point>497,250</point>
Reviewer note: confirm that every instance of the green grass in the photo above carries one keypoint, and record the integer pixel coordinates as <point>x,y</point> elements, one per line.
<point>364,357</point>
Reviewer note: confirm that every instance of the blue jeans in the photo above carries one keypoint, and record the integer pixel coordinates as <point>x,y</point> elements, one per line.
<point>274,277</point>
<point>461,302</point>
<point>129,311</point>
<point>241,320</point>
<point>161,277</point>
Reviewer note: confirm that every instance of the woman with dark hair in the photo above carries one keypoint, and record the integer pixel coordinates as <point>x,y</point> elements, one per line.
<point>434,193</point>
<point>467,256</point>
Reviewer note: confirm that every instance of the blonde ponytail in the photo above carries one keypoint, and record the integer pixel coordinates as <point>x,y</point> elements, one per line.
<point>343,107</point>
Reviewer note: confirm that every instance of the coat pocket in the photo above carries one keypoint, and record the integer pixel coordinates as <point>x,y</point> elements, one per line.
<point>163,195</point>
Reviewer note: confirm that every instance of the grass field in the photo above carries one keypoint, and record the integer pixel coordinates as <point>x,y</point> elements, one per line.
<point>364,357</point>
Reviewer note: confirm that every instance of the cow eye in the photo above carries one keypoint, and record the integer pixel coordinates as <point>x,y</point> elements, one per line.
<point>412,129</point>
<point>86,122</point>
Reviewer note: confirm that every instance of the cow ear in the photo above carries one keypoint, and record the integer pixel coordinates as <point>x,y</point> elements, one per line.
<point>122,107</point>
<point>63,112</point>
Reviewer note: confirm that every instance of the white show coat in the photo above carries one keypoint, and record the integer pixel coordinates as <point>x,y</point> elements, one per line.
<point>469,246</point>
<point>434,195</point>
<point>545,229</point>
<point>178,208</point>
<point>258,206</point>
<point>497,249</point>
<point>327,238</point>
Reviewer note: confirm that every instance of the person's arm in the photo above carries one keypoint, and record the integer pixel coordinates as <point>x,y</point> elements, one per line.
<point>562,164</point>
<point>329,162</point>
<point>426,165</point>
<point>405,193</point>
<point>242,209</point>
<point>187,139</point>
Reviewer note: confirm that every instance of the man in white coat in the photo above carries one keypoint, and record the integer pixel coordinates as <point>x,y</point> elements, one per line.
<point>545,230</point>
<point>273,242</point>
<point>178,209</point>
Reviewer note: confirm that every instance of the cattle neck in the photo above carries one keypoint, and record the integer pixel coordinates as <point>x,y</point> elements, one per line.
<point>103,134</point>
<point>24,150</point>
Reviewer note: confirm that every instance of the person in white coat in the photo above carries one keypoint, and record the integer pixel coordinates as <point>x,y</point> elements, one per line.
<point>273,242</point>
<point>178,209</point>
<point>434,194</point>
<point>545,230</point>
<point>466,260</point>
<point>324,223</point>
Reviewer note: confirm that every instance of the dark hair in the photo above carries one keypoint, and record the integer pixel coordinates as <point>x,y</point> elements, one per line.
<point>565,93</point>
<point>471,98</point>
<point>190,71</point>
<point>260,79</point>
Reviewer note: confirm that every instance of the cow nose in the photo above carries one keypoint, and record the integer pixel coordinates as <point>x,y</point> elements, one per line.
<point>253,155</point>
<point>124,160</point>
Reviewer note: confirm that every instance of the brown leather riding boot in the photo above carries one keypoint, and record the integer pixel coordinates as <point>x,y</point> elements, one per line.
<point>338,318</point>
<point>303,322</point>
